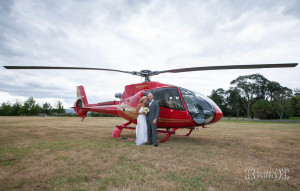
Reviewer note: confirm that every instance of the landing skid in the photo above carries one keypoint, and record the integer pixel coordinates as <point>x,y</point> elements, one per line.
<point>118,130</point>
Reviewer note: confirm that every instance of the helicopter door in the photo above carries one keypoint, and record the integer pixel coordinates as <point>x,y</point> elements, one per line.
<point>168,98</point>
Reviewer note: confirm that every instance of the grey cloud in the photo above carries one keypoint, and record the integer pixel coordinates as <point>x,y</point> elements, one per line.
<point>5,7</point>
<point>23,87</point>
<point>30,90</point>
<point>62,34</point>
<point>291,7</point>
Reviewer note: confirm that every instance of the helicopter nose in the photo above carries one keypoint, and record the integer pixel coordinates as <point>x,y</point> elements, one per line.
<point>219,114</point>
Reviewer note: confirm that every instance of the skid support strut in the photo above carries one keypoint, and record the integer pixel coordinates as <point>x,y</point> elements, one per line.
<point>118,130</point>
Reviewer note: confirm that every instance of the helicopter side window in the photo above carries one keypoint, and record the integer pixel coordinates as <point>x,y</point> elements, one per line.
<point>167,97</point>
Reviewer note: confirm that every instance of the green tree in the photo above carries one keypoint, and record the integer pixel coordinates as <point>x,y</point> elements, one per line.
<point>5,109</point>
<point>59,108</point>
<point>219,97</point>
<point>282,98</point>
<point>30,107</point>
<point>16,108</point>
<point>295,103</point>
<point>251,87</point>
<point>46,108</point>
<point>272,87</point>
<point>297,91</point>
<point>235,103</point>
<point>263,109</point>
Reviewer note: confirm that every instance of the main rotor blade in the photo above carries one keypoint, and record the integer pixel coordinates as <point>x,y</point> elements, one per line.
<point>62,68</point>
<point>228,67</point>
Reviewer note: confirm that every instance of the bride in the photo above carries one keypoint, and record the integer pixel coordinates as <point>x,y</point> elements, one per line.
<point>141,128</point>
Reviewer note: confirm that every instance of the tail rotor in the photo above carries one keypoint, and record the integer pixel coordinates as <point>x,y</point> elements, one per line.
<point>81,104</point>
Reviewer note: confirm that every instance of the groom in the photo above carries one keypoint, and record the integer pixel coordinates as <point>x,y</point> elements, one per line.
<point>152,117</point>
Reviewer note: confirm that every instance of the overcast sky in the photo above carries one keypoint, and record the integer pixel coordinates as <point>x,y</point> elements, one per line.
<point>136,35</point>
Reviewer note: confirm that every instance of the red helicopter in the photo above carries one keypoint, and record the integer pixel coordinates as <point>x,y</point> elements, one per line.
<point>179,107</point>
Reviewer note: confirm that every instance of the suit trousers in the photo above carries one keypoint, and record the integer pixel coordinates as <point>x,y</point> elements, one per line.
<point>152,133</point>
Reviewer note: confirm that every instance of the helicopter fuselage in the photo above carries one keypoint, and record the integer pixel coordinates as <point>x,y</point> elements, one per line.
<point>179,107</point>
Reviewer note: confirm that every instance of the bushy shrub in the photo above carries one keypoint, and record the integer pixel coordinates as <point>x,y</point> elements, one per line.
<point>262,109</point>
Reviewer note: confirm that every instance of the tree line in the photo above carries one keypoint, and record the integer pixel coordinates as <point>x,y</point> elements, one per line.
<point>30,108</point>
<point>255,96</point>
<point>248,96</point>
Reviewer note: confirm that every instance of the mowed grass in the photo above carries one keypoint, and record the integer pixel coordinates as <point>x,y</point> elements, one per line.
<point>69,154</point>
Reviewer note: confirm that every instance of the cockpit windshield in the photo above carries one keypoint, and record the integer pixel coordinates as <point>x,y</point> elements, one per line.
<point>201,108</point>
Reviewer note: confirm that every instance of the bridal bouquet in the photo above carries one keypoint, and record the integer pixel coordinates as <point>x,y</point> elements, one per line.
<point>146,110</point>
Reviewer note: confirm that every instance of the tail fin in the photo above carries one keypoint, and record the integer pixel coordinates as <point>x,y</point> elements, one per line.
<point>81,95</point>
<point>80,106</point>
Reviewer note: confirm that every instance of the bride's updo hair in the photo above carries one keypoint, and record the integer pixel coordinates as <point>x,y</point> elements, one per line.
<point>143,98</point>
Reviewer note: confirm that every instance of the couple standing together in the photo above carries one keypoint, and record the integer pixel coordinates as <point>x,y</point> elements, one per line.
<point>146,121</point>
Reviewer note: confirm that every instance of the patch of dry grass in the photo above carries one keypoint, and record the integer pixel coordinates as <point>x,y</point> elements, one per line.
<point>67,154</point>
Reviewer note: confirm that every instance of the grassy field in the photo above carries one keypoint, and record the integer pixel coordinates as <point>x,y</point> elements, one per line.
<point>66,154</point>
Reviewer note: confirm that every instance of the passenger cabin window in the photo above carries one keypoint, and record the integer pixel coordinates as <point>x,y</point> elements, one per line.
<point>167,97</point>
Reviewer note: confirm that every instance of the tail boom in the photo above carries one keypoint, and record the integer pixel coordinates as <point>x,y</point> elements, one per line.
<point>81,106</point>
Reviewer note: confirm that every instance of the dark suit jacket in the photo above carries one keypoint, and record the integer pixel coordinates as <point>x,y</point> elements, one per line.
<point>154,111</point>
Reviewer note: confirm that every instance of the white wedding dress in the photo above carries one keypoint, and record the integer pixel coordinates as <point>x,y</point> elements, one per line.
<point>141,129</point>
